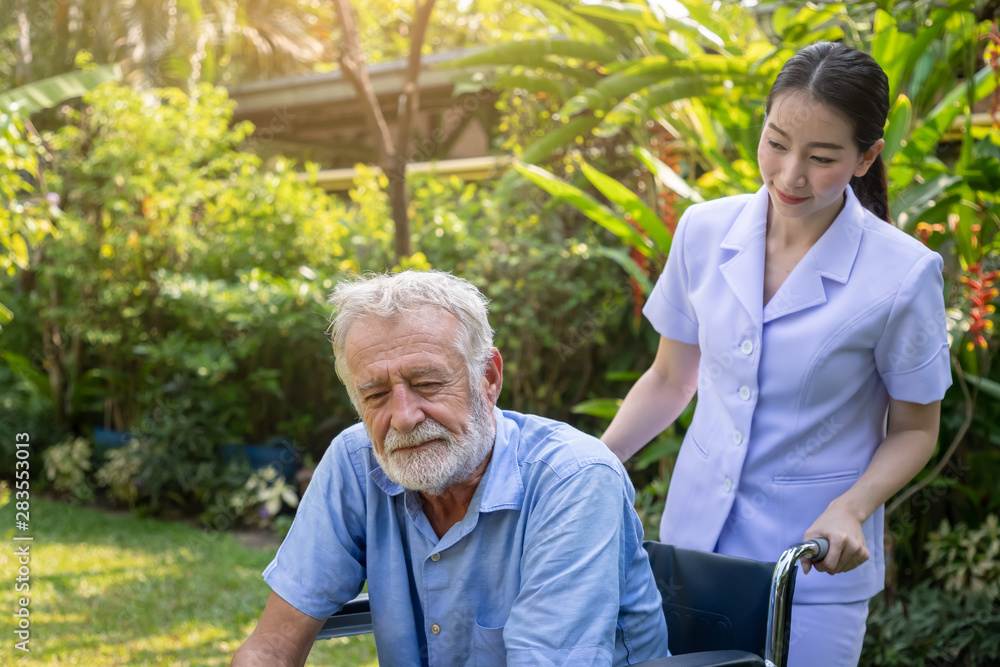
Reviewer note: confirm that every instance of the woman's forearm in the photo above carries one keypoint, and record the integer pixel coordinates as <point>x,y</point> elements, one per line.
<point>906,449</point>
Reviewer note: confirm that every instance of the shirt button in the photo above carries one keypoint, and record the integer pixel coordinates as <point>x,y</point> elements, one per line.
<point>435,557</point>
<point>746,347</point>
<point>436,629</point>
<point>745,393</point>
<point>728,485</point>
<point>737,437</point>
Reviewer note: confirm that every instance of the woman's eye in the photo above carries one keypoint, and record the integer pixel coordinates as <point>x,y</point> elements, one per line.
<point>775,145</point>
<point>823,160</point>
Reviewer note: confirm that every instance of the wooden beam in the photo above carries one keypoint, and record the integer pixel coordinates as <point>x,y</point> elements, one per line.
<point>470,169</point>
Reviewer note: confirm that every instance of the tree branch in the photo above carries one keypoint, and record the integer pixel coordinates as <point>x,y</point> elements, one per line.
<point>352,62</point>
<point>409,101</point>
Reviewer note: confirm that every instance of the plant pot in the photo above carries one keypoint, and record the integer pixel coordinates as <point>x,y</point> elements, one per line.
<point>106,439</point>
<point>278,452</point>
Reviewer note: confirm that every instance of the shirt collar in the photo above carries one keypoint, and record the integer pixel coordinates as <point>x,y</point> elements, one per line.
<point>834,252</point>
<point>837,249</point>
<point>831,257</point>
<point>501,486</point>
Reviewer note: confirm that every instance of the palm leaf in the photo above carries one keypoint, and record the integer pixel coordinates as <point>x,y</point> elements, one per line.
<point>630,202</point>
<point>586,204</point>
<point>47,93</point>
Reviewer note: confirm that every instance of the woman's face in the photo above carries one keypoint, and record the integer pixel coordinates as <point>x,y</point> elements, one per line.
<point>807,156</point>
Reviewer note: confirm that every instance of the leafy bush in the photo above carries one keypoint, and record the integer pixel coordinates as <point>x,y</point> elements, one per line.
<point>929,626</point>
<point>262,498</point>
<point>66,466</point>
<point>967,559</point>
<point>951,619</point>
<point>120,473</point>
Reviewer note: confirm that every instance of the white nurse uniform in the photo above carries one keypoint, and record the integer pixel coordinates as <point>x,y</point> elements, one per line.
<point>793,396</point>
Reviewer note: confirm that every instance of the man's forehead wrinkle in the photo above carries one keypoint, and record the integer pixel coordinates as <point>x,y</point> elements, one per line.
<point>378,369</point>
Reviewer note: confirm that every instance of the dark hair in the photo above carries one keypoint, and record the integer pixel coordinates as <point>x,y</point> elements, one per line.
<point>852,83</point>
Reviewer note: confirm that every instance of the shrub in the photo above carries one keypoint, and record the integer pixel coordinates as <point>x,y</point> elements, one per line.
<point>967,559</point>
<point>66,466</point>
<point>952,619</point>
<point>120,473</point>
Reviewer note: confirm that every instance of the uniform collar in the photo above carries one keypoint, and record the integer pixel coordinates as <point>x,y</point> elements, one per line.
<point>831,257</point>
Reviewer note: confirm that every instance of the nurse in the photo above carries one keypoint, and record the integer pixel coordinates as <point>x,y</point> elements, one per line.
<point>801,318</point>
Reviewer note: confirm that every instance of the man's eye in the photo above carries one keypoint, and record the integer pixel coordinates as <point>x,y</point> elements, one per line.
<point>374,397</point>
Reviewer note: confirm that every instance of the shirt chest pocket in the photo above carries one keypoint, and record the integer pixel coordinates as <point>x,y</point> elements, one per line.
<point>488,649</point>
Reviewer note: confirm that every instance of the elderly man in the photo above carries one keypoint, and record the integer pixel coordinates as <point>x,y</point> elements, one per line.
<point>487,537</point>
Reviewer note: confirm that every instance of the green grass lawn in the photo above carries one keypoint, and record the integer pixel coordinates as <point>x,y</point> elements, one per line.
<point>118,590</point>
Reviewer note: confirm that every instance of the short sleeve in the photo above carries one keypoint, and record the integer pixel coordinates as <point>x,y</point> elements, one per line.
<point>572,572</point>
<point>320,566</point>
<point>669,308</point>
<point>912,353</point>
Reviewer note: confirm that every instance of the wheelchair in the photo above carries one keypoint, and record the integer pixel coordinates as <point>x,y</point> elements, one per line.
<point>721,611</point>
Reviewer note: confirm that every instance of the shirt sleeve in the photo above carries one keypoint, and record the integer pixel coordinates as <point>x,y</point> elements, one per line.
<point>320,566</point>
<point>669,308</point>
<point>578,544</point>
<point>912,353</point>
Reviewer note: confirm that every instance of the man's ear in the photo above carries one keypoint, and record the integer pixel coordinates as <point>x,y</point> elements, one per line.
<point>492,381</point>
<point>868,158</point>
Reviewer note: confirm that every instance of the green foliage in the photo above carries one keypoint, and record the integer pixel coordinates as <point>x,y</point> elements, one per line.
<point>66,466</point>
<point>953,619</point>
<point>701,82</point>
<point>25,213</point>
<point>929,626</point>
<point>967,559</point>
<point>47,93</point>
<point>120,473</point>
<point>262,498</point>
<point>181,264</point>
<point>178,465</point>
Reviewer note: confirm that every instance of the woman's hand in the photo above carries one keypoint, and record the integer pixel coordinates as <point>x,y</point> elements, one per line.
<point>848,549</point>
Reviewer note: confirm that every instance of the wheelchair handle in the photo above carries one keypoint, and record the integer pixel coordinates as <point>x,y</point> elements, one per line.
<point>781,594</point>
<point>822,546</point>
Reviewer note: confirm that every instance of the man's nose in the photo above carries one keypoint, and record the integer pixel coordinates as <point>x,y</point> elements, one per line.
<point>406,409</point>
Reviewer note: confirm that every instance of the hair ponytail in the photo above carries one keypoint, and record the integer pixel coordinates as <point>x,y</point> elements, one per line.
<point>872,189</point>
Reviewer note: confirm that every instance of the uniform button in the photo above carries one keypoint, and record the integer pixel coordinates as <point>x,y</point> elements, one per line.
<point>728,485</point>
<point>746,347</point>
<point>435,557</point>
<point>737,437</point>
<point>745,393</point>
<point>436,629</point>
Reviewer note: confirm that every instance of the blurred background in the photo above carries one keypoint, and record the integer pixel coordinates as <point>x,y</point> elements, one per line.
<point>183,182</point>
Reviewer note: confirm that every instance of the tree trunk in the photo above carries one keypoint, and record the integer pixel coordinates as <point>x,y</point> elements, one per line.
<point>22,72</point>
<point>393,152</point>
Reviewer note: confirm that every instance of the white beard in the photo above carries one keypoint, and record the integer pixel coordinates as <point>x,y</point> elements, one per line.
<point>451,460</point>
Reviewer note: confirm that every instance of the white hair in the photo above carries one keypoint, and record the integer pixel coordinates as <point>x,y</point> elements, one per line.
<point>390,295</point>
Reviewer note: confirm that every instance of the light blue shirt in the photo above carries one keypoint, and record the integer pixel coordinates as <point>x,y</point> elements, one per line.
<point>792,395</point>
<point>546,568</point>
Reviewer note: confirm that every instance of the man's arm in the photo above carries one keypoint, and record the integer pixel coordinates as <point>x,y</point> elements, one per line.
<point>282,638</point>
<point>572,580</point>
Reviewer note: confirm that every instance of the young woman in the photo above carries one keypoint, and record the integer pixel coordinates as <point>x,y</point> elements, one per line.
<point>801,317</point>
